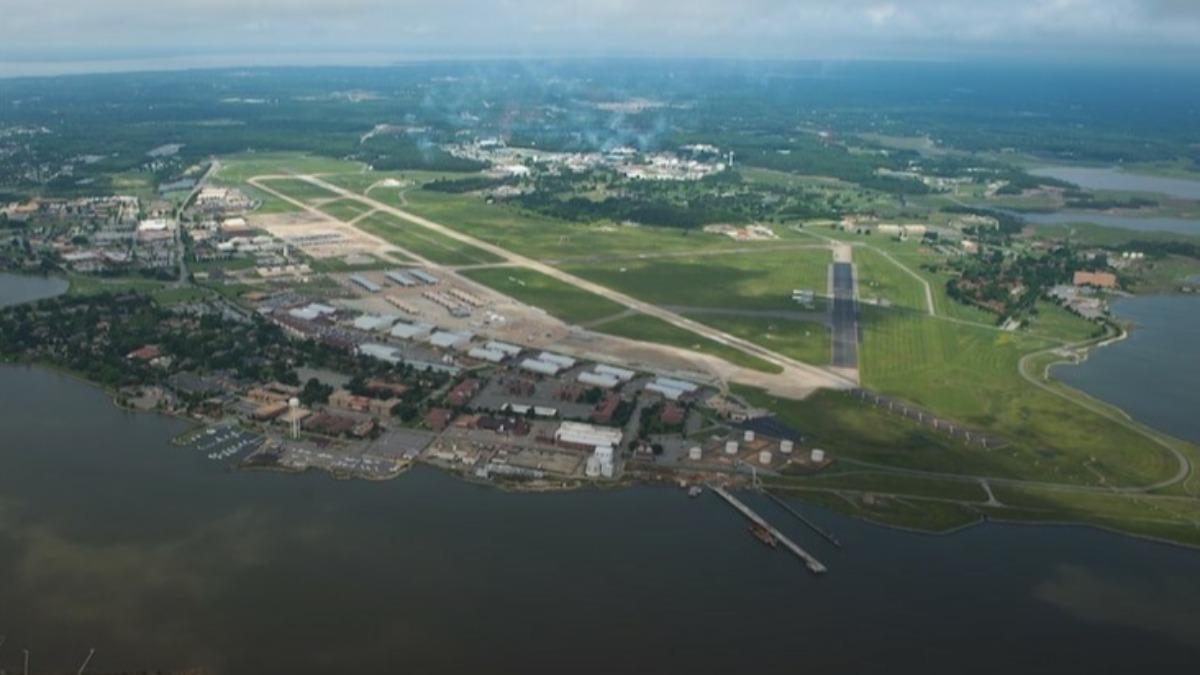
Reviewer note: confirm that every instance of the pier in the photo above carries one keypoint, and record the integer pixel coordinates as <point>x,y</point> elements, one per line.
<point>825,534</point>
<point>812,563</point>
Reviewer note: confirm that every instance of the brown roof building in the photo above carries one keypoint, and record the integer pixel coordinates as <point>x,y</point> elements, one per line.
<point>1097,279</point>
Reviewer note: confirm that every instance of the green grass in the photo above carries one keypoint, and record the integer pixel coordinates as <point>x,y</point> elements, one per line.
<point>744,281</point>
<point>969,374</point>
<point>652,329</point>
<point>424,242</point>
<point>242,167</point>
<point>908,512</point>
<point>887,483</point>
<point>1057,323</point>
<point>300,190</point>
<point>168,295</point>
<point>545,238</point>
<point>566,302</point>
<point>805,341</point>
<point>883,279</point>
<point>345,209</point>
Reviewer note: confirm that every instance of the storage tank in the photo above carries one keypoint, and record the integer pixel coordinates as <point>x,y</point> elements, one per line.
<point>764,457</point>
<point>731,447</point>
<point>785,447</point>
<point>694,454</point>
<point>818,455</point>
<point>748,436</point>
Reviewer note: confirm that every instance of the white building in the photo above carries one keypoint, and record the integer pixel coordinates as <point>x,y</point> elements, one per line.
<point>450,339</point>
<point>540,367</point>
<point>485,354</point>
<point>411,331</point>
<point>620,373</point>
<point>590,435</point>
<point>598,380</point>
<point>562,361</point>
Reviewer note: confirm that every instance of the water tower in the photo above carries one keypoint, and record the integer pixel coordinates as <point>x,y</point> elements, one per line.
<point>293,404</point>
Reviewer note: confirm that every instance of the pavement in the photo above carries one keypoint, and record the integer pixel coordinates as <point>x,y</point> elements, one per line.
<point>797,372</point>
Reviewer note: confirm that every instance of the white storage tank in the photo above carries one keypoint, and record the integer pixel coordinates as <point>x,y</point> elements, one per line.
<point>731,447</point>
<point>764,457</point>
<point>748,436</point>
<point>818,455</point>
<point>785,447</point>
<point>695,453</point>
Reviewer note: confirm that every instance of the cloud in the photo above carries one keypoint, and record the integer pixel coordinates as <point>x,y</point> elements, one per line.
<point>754,28</point>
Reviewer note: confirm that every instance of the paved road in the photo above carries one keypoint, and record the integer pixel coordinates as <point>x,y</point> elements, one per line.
<point>845,317</point>
<point>815,376</point>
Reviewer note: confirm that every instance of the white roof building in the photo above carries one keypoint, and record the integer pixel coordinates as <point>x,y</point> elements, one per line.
<point>411,331</point>
<point>510,350</point>
<point>620,373</point>
<point>578,433</point>
<point>562,361</point>
<point>374,322</point>
<point>485,354</point>
<point>540,367</point>
<point>598,380</point>
<point>447,339</point>
<point>381,352</point>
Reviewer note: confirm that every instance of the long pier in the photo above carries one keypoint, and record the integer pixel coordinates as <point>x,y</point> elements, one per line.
<point>812,563</point>
<point>828,536</point>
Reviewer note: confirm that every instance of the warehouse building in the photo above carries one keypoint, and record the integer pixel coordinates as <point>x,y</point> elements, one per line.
<point>558,359</point>
<point>540,367</point>
<point>621,374</point>
<point>411,331</point>
<point>588,436</point>
<point>365,283</point>
<point>374,322</point>
<point>424,277</point>
<point>400,279</point>
<point>598,380</point>
<point>450,339</point>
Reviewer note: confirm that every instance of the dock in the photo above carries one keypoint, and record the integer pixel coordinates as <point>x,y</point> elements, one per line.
<point>826,535</point>
<point>812,563</point>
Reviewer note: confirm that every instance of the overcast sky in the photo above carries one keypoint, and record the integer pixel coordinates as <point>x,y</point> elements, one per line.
<point>935,29</point>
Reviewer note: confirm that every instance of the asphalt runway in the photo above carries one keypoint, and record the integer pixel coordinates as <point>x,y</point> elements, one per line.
<point>845,317</point>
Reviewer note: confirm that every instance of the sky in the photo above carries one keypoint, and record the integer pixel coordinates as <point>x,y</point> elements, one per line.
<point>245,32</point>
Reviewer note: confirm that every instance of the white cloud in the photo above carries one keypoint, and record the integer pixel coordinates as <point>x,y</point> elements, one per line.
<point>784,28</point>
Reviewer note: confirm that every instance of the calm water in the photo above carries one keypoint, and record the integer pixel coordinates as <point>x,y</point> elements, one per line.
<point>1116,179</point>
<point>1153,375</point>
<point>160,558</point>
<point>18,288</point>
<point>1181,225</point>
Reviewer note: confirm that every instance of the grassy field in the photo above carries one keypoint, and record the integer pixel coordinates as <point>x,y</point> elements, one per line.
<point>424,242</point>
<point>916,257</point>
<point>240,168</point>
<point>361,182</point>
<point>545,238</point>
<point>880,278</point>
<point>345,210</point>
<point>743,281</point>
<point>561,300</point>
<point>805,341</point>
<point>651,329</point>
<point>1057,323</point>
<point>970,374</point>
<point>301,190</point>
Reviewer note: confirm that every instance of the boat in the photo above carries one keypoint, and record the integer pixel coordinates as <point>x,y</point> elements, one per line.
<point>763,534</point>
<point>695,491</point>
